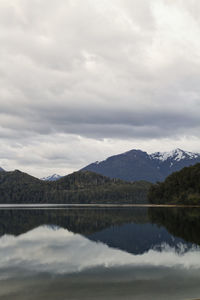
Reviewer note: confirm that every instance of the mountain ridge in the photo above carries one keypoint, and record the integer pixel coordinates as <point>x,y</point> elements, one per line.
<point>137,165</point>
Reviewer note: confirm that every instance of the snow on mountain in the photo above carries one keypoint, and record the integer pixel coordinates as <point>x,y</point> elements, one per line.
<point>53,177</point>
<point>137,165</point>
<point>176,154</point>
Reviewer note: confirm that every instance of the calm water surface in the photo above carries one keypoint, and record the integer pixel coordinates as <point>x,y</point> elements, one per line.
<point>121,253</point>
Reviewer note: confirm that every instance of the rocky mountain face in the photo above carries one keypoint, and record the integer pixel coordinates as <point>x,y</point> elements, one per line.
<point>137,165</point>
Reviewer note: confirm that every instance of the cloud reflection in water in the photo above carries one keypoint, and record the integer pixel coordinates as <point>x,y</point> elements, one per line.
<point>58,251</point>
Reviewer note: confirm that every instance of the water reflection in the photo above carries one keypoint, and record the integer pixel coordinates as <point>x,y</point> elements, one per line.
<point>72,263</point>
<point>132,230</point>
<point>99,254</point>
<point>59,251</point>
<point>180,222</point>
<point>139,238</point>
<point>85,221</point>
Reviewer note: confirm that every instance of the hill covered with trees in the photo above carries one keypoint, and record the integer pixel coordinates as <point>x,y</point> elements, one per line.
<point>79,187</point>
<point>181,187</point>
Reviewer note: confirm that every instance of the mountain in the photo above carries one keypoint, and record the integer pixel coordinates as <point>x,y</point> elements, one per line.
<point>182,187</point>
<point>1,169</point>
<point>79,187</point>
<point>53,177</point>
<point>139,165</point>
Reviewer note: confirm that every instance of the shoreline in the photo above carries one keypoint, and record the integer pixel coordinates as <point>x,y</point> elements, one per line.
<point>94,205</point>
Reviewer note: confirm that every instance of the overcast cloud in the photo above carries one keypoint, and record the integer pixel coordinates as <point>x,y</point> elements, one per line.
<point>82,80</point>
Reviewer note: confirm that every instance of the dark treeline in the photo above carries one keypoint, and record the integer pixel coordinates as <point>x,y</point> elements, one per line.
<point>181,222</point>
<point>181,187</point>
<point>84,221</point>
<point>79,187</point>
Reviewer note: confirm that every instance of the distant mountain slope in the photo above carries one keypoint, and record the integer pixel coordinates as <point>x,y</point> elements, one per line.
<point>182,187</point>
<point>1,169</point>
<point>79,187</point>
<point>53,177</point>
<point>139,165</point>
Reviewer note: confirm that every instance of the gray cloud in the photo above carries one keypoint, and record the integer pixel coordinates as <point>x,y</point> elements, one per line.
<point>123,70</point>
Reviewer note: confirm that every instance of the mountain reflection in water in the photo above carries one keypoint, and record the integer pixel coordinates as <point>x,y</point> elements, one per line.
<point>99,254</point>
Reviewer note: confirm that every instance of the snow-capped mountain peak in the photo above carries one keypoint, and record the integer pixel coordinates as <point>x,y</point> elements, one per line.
<point>176,154</point>
<point>137,165</point>
<point>53,177</point>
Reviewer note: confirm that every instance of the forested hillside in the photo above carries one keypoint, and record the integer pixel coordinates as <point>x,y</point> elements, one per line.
<point>181,187</point>
<point>79,187</point>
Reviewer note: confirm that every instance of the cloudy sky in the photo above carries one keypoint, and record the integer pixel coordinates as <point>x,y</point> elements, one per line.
<point>83,80</point>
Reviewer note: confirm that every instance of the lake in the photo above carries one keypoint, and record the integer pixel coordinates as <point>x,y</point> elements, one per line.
<point>99,253</point>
